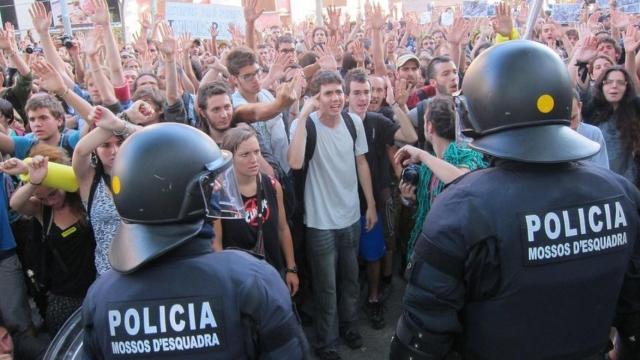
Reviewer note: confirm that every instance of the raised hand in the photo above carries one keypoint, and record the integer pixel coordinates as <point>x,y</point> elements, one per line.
<point>402,91</point>
<point>390,95</point>
<point>251,13</point>
<point>94,43</point>
<point>140,112</point>
<point>457,32</point>
<point>286,92</point>
<point>140,43</point>
<point>280,64</point>
<point>587,49</point>
<point>631,40</point>
<point>101,15</point>
<point>619,19</point>
<point>169,43</point>
<point>14,167</point>
<point>146,20</point>
<point>40,18</point>
<point>326,60</point>
<point>523,13</point>
<point>11,31</point>
<point>38,168</point>
<point>358,52</point>
<point>185,42</point>
<point>334,19</point>
<point>105,119</point>
<point>504,22</point>
<point>5,41</point>
<point>50,79</point>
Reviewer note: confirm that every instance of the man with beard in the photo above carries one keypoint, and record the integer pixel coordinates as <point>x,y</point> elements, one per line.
<point>443,81</point>
<point>381,133</point>
<point>216,112</point>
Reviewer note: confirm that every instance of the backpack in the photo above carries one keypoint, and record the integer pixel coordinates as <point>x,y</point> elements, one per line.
<point>300,175</point>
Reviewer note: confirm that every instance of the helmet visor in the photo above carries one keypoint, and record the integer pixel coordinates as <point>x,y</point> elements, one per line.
<point>221,195</point>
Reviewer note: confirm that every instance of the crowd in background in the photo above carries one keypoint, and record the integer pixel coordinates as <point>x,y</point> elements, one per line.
<point>342,137</point>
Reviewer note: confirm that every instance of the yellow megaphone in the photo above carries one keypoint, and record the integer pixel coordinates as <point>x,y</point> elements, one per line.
<point>58,177</point>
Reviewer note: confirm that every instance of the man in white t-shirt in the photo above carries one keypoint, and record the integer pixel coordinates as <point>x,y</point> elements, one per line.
<point>332,209</point>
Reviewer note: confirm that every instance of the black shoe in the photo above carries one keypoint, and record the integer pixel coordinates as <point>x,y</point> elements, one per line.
<point>353,339</point>
<point>385,290</point>
<point>375,313</point>
<point>328,355</point>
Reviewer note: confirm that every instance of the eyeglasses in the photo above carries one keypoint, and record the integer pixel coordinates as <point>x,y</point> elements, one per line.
<point>287,51</point>
<point>617,82</point>
<point>250,76</point>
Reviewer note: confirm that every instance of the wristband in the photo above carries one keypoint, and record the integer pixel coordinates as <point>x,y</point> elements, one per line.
<point>293,270</point>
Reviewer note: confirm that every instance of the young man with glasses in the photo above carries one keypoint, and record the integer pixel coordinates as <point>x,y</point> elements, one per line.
<point>267,118</point>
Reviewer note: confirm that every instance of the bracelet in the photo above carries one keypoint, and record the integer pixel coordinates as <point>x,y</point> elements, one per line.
<point>124,131</point>
<point>64,93</point>
<point>293,270</point>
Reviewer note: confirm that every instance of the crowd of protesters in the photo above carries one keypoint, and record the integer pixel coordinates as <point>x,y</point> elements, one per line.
<point>342,137</point>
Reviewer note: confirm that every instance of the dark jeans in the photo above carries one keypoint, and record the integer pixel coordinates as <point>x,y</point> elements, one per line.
<point>333,256</point>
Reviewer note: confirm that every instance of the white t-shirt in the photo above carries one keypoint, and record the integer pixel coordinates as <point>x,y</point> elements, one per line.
<point>331,189</point>
<point>272,131</point>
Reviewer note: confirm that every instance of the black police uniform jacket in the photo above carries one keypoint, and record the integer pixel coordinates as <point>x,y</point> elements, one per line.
<point>524,261</point>
<point>193,304</point>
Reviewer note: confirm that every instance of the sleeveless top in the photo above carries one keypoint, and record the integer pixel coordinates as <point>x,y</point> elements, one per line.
<point>243,233</point>
<point>105,222</point>
<point>69,257</point>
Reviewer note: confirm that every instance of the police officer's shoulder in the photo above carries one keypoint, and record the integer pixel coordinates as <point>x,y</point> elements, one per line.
<point>247,261</point>
<point>613,179</point>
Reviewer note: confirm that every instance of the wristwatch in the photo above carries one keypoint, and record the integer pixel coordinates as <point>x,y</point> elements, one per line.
<point>293,270</point>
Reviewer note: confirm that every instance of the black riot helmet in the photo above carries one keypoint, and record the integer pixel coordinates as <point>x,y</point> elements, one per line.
<point>519,97</point>
<point>162,182</point>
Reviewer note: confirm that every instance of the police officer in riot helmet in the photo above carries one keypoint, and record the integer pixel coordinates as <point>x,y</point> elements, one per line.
<point>535,257</point>
<point>168,295</point>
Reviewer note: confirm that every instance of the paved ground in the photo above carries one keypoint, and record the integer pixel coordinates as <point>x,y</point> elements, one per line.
<point>376,342</point>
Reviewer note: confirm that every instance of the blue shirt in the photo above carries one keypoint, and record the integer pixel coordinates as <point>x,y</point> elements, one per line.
<point>23,144</point>
<point>7,241</point>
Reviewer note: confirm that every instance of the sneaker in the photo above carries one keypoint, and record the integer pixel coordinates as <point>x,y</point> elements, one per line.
<point>328,355</point>
<point>353,339</point>
<point>375,313</point>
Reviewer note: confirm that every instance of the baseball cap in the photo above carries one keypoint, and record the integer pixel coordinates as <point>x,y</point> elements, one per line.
<point>406,58</point>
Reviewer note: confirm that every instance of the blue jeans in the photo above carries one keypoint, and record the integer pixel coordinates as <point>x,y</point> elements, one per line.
<point>333,257</point>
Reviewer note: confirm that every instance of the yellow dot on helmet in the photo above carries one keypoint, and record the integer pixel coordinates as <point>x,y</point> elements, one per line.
<point>115,185</point>
<point>545,103</point>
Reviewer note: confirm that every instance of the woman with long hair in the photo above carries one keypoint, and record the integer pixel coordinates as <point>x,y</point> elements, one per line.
<point>448,161</point>
<point>68,244</point>
<point>615,109</point>
<point>92,163</point>
<point>264,229</point>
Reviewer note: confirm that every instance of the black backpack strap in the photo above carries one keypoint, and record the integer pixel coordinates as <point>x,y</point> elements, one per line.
<point>310,146</point>
<point>420,131</point>
<point>348,121</point>
<point>92,191</point>
<point>64,143</point>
